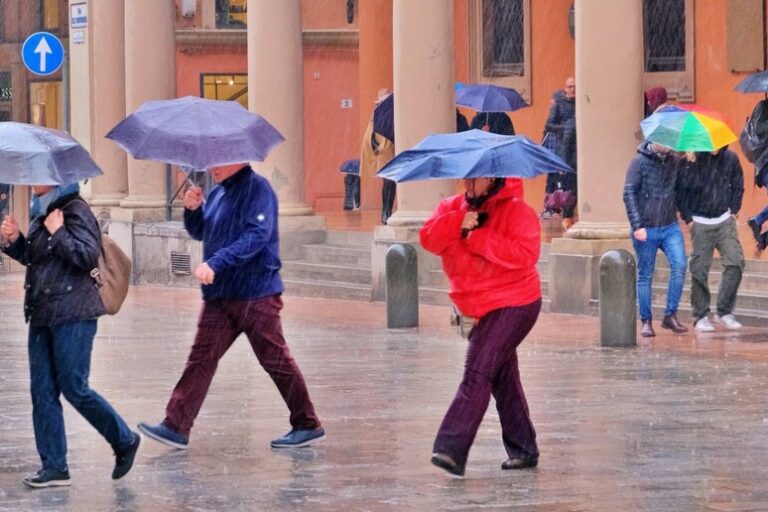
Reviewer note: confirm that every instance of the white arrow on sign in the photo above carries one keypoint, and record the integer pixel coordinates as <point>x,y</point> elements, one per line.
<point>43,48</point>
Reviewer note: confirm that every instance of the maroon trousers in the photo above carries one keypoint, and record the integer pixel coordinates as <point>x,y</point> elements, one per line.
<point>220,323</point>
<point>491,367</point>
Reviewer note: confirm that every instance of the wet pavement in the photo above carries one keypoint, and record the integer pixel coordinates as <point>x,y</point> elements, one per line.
<point>679,423</point>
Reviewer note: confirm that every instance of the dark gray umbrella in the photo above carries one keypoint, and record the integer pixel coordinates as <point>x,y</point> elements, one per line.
<point>35,155</point>
<point>756,82</point>
<point>196,133</point>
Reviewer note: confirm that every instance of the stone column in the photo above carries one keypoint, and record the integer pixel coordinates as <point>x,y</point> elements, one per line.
<point>107,90</point>
<point>276,91</point>
<point>150,74</point>
<point>607,117</point>
<point>424,104</point>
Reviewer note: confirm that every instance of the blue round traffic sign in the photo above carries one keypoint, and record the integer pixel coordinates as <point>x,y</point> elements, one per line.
<point>42,53</point>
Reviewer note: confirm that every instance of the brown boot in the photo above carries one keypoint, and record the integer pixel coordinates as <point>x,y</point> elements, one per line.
<point>647,330</point>
<point>672,323</point>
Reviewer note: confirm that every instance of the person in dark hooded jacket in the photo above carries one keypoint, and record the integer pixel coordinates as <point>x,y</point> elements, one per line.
<point>650,200</point>
<point>493,122</point>
<point>710,190</point>
<point>62,304</point>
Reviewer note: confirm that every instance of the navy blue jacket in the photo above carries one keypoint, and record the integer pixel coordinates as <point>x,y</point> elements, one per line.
<point>58,284</point>
<point>711,185</point>
<point>238,228</point>
<point>650,188</point>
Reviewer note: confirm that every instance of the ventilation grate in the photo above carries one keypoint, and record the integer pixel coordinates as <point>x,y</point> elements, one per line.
<point>181,263</point>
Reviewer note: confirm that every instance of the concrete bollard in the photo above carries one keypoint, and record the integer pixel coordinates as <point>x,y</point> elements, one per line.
<point>618,299</point>
<point>402,286</point>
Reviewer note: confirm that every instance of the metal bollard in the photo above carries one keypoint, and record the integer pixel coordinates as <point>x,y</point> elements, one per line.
<point>402,286</point>
<point>618,299</point>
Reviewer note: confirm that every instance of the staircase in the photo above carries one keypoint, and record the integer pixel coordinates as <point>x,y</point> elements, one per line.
<point>338,268</point>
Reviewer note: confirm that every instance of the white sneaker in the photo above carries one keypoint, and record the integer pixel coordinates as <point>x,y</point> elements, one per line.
<point>704,325</point>
<point>728,321</point>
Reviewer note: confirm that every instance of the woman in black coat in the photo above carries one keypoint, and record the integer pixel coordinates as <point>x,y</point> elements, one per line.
<point>61,305</point>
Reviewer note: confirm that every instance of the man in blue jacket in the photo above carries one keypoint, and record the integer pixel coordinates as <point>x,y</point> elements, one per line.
<point>240,277</point>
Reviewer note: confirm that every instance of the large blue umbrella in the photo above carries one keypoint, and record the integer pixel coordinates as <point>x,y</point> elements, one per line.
<point>196,133</point>
<point>756,82</point>
<point>472,154</point>
<point>490,98</point>
<point>384,118</point>
<point>35,155</point>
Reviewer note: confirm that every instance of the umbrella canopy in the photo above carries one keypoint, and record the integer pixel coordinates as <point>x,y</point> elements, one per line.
<point>472,154</point>
<point>384,118</point>
<point>490,98</point>
<point>690,128</point>
<point>35,155</point>
<point>195,132</point>
<point>756,82</point>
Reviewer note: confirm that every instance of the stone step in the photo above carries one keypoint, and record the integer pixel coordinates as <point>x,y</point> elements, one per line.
<point>757,266</point>
<point>328,289</point>
<point>355,256</point>
<point>349,238</point>
<point>750,301</point>
<point>305,271</point>
<point>750,281</point>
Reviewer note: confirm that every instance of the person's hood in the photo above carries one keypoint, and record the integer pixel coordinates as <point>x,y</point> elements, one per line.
<point>512,187</point>
<point>645,149</point>
<point>655,97</point>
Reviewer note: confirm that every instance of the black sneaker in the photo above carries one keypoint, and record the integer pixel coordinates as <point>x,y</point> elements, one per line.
<point>124,459</point>
<point>48,478</point>
<point>756,228</point>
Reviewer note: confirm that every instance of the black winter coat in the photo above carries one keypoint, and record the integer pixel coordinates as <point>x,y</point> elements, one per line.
<point>559,114</point>
<point>711,185</point>
<point>59,287</point>
<point>650,189</point>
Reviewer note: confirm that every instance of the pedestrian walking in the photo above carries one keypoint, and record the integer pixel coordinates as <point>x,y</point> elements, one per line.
<point>650,201</point>
<point>710,191</point>
<point>568,182</point>
<point>61,305</point>
<point>375,151</point>
<point>241,286</point>
<point>489,241</point>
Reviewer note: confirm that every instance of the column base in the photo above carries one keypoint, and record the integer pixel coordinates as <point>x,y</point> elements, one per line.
<point>297,209</point>
<point>584,230</point>
<point>406,218</point>
<point>145,208</point>
<point>574,273</point>
<point>106,200</point>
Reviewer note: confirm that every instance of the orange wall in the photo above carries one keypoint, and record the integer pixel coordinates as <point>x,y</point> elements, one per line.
<point>319,14</point>
<point>191,64</point>
<point>714,88</point>
<point>330,132</point>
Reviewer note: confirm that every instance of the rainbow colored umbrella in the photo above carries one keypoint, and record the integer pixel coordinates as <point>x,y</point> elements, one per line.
<point>689,128</point>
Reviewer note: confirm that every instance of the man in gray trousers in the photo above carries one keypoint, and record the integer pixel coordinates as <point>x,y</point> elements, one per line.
<point>710,191</point>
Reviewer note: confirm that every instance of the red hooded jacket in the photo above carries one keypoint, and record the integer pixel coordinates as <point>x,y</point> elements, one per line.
<point>495,266</point>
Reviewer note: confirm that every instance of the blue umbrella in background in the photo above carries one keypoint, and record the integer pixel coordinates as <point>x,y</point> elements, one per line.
<point>472,154</point>
<point>196,133</point>
<point>384,118</point>
<point>35,155</point>
<point>756,82</point>
<point>489,98</point>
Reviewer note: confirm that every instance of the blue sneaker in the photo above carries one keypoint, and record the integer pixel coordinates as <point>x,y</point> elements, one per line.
<point>165,435</point>
<point>299,438</point>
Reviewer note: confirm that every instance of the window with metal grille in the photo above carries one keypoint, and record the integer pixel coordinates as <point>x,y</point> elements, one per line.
<point>503,38</point>
<point>664,33</point>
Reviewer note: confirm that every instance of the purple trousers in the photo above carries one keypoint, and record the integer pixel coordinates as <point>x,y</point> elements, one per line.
<point>220,323</point>
<point>491,368</point>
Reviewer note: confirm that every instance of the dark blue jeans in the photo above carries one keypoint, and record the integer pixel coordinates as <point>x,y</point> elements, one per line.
<point>670,240</point>
<point>762,216</point>
<point>59,364</point>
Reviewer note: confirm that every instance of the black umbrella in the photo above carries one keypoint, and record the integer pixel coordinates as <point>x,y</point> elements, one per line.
<point>35,155</point>
<point>756,82</point>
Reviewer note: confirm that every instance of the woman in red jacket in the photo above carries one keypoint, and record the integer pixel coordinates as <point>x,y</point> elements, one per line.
<point>489,242</point>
